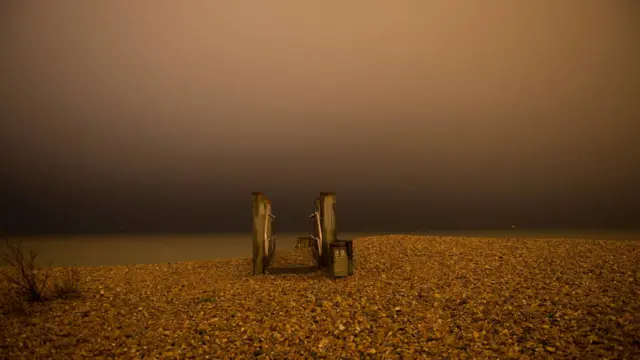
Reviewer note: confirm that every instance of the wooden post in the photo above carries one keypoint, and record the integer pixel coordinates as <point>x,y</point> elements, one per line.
<point>267,231</point>
<point>259,223</point>
<point>328,224</point>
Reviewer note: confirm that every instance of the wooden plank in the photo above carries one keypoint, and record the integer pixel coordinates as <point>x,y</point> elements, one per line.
<point>302,242</point>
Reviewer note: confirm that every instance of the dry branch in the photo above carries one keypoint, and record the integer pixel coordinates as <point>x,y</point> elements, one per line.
<point>23,272</point>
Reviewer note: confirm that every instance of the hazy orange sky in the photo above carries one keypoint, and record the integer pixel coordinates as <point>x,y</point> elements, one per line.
<point>165,115</point>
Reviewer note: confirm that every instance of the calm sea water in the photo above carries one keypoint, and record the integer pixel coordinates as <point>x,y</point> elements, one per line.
<point>122,249</point>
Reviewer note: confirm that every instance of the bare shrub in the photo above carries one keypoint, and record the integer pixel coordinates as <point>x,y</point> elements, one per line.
<point>23,272</point>
<point>67,285</point>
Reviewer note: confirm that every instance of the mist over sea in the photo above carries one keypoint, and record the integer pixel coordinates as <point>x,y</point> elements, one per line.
<point>124,249</point>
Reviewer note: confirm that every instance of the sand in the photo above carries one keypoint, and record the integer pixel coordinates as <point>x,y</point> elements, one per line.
<point>410,297</point>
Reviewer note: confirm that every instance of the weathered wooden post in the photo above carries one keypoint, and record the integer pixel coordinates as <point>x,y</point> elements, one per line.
<point>259,226</point>
<point>267,232</point>
<point>328,224</point>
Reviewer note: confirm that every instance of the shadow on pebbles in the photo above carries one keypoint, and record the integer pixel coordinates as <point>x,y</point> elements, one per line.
<point>410,297</point>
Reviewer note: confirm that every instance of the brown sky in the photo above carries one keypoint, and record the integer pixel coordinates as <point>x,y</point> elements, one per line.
<point>471,113</point>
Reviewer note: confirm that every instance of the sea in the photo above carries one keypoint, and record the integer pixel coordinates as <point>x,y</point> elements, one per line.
<point>125,249</point>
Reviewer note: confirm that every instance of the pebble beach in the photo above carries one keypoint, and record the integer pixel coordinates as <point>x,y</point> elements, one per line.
<point>410,297</point>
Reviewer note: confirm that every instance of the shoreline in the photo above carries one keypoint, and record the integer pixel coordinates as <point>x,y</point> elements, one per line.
<point>97,250</point>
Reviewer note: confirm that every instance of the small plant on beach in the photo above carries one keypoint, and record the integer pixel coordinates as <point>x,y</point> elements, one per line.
<point>67,284</point>
<point>23,272</point>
